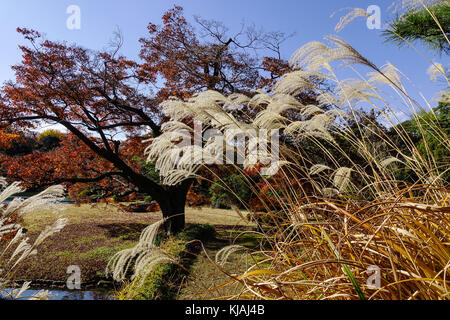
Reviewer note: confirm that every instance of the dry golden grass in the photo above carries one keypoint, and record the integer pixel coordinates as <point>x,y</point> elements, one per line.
<point>105,213</point>
<point>86,213</point>
<point>216,217</point>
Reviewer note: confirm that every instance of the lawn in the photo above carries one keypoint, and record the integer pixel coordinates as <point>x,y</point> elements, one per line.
<point>110,214</point>
<point>95,233</point>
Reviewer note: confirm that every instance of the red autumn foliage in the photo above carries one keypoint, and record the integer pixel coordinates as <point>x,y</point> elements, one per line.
<point>13,219</point>
<point>7,140</point>
<point>195,199</point>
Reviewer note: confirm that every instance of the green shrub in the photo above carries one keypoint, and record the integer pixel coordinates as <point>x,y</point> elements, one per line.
<point>421,131</point>
<point>236,193</point>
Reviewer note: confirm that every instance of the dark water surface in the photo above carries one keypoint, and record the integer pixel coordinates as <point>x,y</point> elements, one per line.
<point>70,295</point>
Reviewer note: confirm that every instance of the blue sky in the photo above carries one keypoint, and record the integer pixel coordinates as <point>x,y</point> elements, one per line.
<point>310,20</point>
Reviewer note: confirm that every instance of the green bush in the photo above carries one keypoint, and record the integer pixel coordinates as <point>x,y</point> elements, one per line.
<point>423,135</point>
<point>235,193</point>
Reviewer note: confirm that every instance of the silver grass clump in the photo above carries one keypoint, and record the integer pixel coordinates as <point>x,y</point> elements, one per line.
<point>260,98</point>
<point>174,156</point>
<point>283,102</point>
<point>142,258</point>
<point>326,98</point>
<point>20,246</point>
<point>208,107</point>
<point>445,96</point>
<point>318,126</point>
<point>273,168</point>
<point>145,264</point>
<point>44,200</point>
<point>177,162</point>
<point>24,249</point>
<point>19,293</point>
<point>434,180</point>
<point>175,109</point>
<point>176,126</point>
<point>304,56</point>
<point>41,295</point>
<point>237,100</point>
<point>177,159</point>
<point>311,110</point>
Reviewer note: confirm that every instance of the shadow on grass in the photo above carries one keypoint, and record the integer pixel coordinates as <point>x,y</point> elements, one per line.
<point>129,231</point>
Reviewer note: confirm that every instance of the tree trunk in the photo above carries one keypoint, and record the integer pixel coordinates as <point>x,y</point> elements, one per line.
<point>172,203</point>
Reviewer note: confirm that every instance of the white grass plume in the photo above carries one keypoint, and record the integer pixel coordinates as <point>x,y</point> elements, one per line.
<point>389,75</point>
<point>386,162</point>
<point>293,83</point>
<point>354,92</point>
<point>223,254</point>
<point>349,17</point>
<point>435,70</point>
<point>342,178</point>
<point>41,295</point>
<point>317,127</point>
<point>318,168</point>
<point>315,55</point>
<point>47,199</point>
<point>141,259</point>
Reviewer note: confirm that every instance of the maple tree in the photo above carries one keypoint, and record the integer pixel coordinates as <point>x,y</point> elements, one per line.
<point>108,102</point>
<point>211,59</point>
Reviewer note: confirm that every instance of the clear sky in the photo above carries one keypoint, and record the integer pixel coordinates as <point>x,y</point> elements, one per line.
<point>309,19</point>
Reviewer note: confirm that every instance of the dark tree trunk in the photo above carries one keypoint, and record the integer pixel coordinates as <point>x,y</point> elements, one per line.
<point>172,203</point>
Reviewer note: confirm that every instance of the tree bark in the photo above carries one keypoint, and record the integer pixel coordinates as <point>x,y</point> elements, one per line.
<point>172,203</point>
<point>173,211</point>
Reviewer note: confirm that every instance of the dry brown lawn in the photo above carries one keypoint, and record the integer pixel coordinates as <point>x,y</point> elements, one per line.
<point>109,214</point>
<point>94,233</point>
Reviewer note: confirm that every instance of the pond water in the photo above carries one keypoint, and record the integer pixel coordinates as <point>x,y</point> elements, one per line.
<point>70,295</point>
